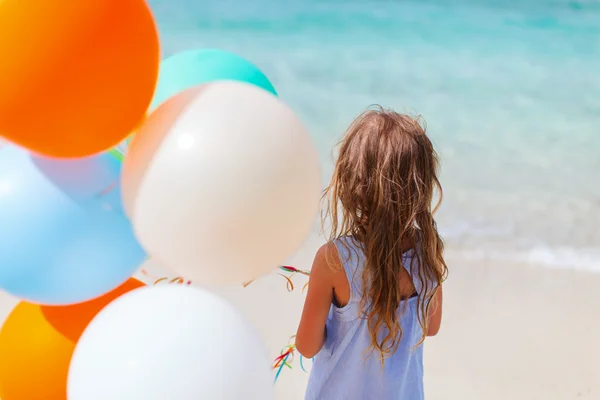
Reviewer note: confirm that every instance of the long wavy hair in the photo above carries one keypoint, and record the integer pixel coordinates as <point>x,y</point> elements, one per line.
<point>381,194</point>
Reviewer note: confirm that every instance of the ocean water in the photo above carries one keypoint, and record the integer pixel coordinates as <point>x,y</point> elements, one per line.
<point>510,91</point>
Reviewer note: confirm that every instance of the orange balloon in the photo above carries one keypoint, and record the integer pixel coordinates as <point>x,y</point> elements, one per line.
<point>76,76</point>
<point>37,343</point>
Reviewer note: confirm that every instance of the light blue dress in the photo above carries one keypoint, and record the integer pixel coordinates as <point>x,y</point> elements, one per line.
<point>342,371</point>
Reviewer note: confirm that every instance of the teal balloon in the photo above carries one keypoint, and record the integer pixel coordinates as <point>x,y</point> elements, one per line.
<point>196,67</point>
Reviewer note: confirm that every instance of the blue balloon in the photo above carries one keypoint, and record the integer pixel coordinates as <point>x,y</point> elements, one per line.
<point>196,67</point>
<point>64,238</point>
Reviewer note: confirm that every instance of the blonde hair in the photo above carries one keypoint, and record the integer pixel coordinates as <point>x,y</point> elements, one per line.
<point>381,194</point>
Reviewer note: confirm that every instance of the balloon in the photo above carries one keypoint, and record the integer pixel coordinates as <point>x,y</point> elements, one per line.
<point>63,236</point>
<point>195,67</point>
<point>37,343</point>
<point>76,77</point>
<point>222,175</point>
<point>119,151</point>
<point>169,342</point>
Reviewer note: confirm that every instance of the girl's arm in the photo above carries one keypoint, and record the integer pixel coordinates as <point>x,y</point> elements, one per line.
<point>311,331</point>
<point>435,313</point>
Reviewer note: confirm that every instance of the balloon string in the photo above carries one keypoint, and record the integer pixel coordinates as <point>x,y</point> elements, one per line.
<point>286,358</point>
<point>117,153</point>
<point>107,190</point>
<point>289,283</point>
<point>288,353</point>
<point>178,280</point>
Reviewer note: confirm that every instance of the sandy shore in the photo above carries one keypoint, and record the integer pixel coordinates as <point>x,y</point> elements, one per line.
<point>509,331</point>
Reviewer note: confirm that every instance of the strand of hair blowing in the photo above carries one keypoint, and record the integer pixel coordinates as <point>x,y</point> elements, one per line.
<point>381,194</point>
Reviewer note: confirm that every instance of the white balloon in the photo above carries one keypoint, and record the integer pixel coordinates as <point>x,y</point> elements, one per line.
<point>222,175</point>
<point>169,342</point>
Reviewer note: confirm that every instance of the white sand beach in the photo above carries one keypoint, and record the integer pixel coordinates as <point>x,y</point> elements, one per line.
<point>509,332</point>
<point>516,332</point>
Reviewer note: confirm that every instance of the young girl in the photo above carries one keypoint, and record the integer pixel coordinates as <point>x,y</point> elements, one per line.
<point>375,288</point>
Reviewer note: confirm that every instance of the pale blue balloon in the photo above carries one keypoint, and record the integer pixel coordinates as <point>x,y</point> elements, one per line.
<point>196,67</point>
<point>64,237</point>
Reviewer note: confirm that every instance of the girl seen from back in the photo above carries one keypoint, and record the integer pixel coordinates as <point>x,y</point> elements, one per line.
<point>375,292</point>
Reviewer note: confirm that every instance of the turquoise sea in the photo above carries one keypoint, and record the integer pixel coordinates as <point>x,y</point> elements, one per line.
<point>510,91</point>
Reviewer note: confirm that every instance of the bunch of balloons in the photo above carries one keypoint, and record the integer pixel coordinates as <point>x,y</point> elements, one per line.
<point>214,176</point>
